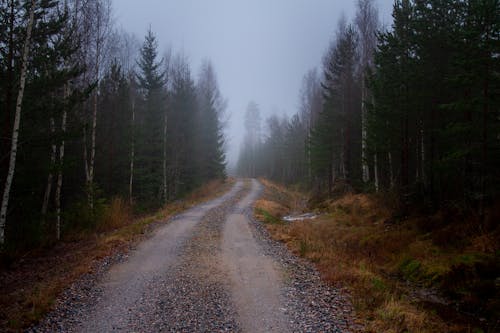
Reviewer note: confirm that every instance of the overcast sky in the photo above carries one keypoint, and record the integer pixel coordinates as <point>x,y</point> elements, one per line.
<point>260,48</point>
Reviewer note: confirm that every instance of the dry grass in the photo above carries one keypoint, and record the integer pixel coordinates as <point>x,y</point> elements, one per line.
<point>30,286</point>
<point>355,244</point>
<point>117,214</point>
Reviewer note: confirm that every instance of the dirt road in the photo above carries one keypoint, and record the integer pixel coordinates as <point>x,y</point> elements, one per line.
<point>210,269</point>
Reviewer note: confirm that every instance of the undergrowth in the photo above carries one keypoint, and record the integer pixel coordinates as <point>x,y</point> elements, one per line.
<point>399,273</point>
<point>32,281</point>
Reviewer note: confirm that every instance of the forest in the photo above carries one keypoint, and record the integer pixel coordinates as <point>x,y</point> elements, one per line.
<point>396,144</point>
<point>411,110</point>
<point>91,115</point>
<point>114,152</point>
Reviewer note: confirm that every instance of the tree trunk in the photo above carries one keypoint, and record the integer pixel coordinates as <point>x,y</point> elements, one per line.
<point>375,171</point>
<point>330,180</point>
<point>364,161</point>
<point>7,126</point>
<point>90,180</point>
<point>57,198</point>
<point>422,154</point>
<point>132,156</point>
<point>17,121</point>
<point>48,188</point>
<point>165,158</point>
<point>484,135</point>
<point>391,172</point>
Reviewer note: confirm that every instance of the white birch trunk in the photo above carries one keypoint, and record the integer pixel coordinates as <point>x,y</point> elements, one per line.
<point>15,130</point>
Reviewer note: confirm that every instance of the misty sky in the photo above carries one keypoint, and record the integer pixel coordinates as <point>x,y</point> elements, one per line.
<point>260,48</point>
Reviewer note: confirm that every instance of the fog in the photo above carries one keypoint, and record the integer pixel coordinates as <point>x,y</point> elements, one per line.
<point>260,49</point>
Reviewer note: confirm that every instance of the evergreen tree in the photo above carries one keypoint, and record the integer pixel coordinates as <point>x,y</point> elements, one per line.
<point>112,155</point>
<point>211,107</point>
<point>182,131</point>
<point>149,123</point>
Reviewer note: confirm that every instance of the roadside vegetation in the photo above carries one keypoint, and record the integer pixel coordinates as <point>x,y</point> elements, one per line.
<point>31,281</point>
<point>420,274</point>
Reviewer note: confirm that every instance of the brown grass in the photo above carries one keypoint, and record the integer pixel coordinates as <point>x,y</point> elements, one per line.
<point>116,215</point>
<point>355,244</point>
<point>29,287</point>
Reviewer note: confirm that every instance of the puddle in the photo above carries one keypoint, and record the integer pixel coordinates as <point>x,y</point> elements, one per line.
<point>301,217</point>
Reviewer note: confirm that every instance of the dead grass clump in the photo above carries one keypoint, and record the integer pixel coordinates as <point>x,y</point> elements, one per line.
<point>398,315</point>
<point>117,214</point>
<point>209,190</point>
<point>354,245</point>
<point>272,207</point>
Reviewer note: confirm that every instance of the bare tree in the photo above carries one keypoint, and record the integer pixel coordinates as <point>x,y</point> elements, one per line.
<point>100,24</point>
<point>252,139</point>
<point>367,24</point>
<point>17,122</point>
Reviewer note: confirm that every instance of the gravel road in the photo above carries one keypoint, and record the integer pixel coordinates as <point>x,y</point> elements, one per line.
<point>210,269</point>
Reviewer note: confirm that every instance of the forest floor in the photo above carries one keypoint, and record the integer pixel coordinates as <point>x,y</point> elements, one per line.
<point>423,274</point>
<point>31,282</point>
<point>211,268</point>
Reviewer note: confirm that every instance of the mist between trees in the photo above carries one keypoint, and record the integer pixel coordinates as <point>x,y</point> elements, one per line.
<point>89,113</point>
<point>411,110</point>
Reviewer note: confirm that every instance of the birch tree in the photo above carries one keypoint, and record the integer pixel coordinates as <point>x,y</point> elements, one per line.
<point>367,24</point>
<point>98,13</point>
<point>17,121</point>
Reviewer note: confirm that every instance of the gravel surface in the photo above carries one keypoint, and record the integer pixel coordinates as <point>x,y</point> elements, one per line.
<point>256,280</point>
<point>211,269</point>
<point>122,286</point>
<point>310,304</point>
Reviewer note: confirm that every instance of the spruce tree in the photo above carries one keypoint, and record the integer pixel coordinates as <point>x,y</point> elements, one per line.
<point>149,125</point>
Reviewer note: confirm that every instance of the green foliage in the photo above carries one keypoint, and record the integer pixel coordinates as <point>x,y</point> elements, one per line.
<point>434,86</point>
<point>148,128</point>
<point>410,268</point>
<point>268,217</point>
<point>172,137</point>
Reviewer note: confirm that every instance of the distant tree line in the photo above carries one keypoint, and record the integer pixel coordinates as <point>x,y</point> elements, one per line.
<point>413,110</point>
<point>88,114</point>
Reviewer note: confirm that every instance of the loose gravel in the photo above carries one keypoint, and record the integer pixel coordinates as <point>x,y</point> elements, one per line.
<point>310,304</point>
<point>118,296</point>
<point>195,296</point>
<point>177,281</point>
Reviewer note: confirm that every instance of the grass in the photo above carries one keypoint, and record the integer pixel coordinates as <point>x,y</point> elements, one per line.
<point>29,288</point>
<point>384,263</point>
